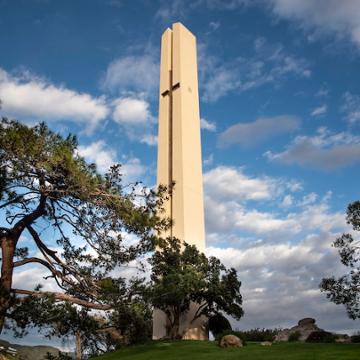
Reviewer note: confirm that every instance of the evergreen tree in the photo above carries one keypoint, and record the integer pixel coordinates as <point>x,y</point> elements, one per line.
<point>76,219</point>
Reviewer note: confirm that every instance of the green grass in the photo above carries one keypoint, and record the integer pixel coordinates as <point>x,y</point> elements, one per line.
<point>206,350</point>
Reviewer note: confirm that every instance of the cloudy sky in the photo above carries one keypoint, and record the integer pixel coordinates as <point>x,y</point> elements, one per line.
<point>280,107</point>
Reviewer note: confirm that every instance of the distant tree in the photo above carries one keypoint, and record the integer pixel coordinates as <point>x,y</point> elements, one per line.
<point>94,332</point>
<point>346,289</point>
<point>182,275</point>
<point>76,219</point>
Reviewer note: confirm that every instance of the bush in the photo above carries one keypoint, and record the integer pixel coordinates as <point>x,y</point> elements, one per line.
<point>218,324</point>
<point>259,335</point>
<point>60,356</point>
<point>256,335</point>
<point>239,334</point>
<point>295,336</point>
<point>355,338</point>
<point>321,337</point>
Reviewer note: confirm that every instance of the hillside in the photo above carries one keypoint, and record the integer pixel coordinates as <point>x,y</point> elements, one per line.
<point>187,350</point>
<point>30,352</point>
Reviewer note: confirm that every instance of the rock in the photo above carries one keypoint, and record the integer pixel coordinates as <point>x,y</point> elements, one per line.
<point>230,341</point>
<point>343,340</point>
<point>305,327</point>
<point>266,343</point>
<point>307,322</point>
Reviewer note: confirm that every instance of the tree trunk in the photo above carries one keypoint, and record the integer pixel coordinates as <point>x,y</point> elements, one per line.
<point>174,330</point>
<point>8,245</point>
<point>78,346</point>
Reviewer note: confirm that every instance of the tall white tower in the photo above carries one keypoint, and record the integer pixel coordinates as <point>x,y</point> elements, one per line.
<point>179,153</point>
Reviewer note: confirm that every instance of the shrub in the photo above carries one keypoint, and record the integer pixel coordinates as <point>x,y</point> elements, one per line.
<point>321,337</point>
<point>355,338</point>
<point>259,335</point>
<point>60,356</point>
<point>295,336</point>
<point>256,335</point>
<point>218,324</point>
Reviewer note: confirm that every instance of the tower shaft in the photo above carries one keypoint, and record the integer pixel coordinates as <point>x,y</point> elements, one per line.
<point>179,142</point>
<point>179,153</point>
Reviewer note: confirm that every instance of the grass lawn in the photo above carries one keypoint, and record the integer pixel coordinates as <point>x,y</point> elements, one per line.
<point>206,350</point>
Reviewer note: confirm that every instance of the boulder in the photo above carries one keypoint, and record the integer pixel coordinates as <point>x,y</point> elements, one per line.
<point>307,322</point>
<point>230,341</point>
<point>343,340</point>
<point>305,327</point>
<point>266,343</point>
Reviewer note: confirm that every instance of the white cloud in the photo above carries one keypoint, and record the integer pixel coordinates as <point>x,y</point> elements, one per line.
<point>104,157</point>
<point>34,99</point>
<point>209,160</point>
<point>227,194</point>
<point>280,259</point>
<point>98,153</point>
<point>214,25</point>
<point>288,200</point>
<point>134,116</point>
<point>132,73</point>
<point>308,199</point>
<point>207,125</point>
<point>351,107</point>
<point>149,139</point>
<point>323,151</point>
<point>252,133</point>
<point>28,277</point>
<point>319,217</point>
<point>324,16</point>
<point>319,111</point>
<point>230,207</point>
<point>269,64</point>
<point>133,168</point>
<point>280,282</point>
<point>231,216</point>
<point>131,111</point>
<point>323,91</point>
<point>231,183</point>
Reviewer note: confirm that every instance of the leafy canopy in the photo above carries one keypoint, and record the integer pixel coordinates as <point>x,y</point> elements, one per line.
<point>345,290</point>
<point>78,221</point>
<point>182,275</point>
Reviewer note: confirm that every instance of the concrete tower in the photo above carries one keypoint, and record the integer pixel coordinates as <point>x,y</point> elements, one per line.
<point>179,153</point>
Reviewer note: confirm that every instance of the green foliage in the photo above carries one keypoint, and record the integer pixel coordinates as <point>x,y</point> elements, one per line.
<point>181,275</point>
<point>46,185</point>
<point>321,337</point>
<point>260,335</point>
<point>60,356</point>
<point>218,323</point>
<point>134,322</point>
<point>345,290</point>
<point>295,336</point>
<point>255,335</point>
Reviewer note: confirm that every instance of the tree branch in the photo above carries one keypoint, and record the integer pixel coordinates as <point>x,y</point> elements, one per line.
<point>62,297</point>
<point>30,218</point>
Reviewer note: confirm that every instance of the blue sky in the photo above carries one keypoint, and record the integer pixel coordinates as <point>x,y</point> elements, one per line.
<point>280,107</point>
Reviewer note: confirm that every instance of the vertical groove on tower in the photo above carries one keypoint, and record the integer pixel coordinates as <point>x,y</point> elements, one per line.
<point>171,177</point>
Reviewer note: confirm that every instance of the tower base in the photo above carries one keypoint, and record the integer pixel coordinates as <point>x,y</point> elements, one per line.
<point>197,330</point>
